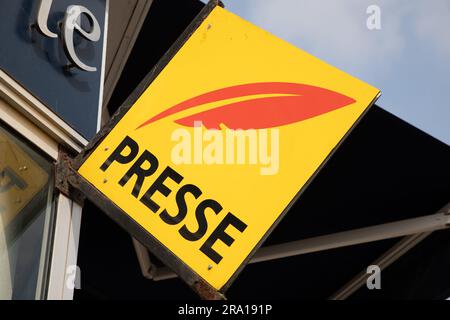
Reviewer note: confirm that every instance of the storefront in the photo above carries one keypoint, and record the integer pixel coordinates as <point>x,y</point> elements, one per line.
<point>55,70</point>
<point>27,211</point>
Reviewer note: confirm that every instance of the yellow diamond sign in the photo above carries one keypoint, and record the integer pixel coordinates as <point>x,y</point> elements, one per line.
<point>223,140</point>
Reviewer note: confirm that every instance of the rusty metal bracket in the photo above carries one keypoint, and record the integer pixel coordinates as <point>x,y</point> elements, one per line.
<point>206,292</point>
<point>67,179</point>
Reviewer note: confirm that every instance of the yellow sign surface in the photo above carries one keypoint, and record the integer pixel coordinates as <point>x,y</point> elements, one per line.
<point>223,140</point>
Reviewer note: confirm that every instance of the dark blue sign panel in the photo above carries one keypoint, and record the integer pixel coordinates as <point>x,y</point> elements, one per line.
<point>58,57</point>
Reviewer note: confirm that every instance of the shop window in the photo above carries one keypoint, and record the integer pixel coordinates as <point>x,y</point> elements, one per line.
<point>26,217</point>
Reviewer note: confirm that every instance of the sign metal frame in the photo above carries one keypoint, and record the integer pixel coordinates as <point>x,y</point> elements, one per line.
<point>70,181</point>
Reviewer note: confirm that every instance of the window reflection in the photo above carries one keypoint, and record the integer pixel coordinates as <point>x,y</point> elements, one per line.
<point>25,218</point>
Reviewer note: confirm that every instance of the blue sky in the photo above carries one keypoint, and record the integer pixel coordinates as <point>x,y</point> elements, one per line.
<point>408,58</point>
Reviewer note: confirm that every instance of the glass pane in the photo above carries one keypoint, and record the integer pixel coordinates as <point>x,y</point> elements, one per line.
<point>26,198</point>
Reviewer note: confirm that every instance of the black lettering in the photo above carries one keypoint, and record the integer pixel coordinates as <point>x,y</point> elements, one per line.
<point>201,220</point>
<point>220,234</point>
<point>119,157</point>
<point>159,185</point>
<point>141,173</point>
<point>181,203</point>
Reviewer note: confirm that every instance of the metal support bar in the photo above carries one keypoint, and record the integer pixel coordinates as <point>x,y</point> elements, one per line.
<point>147,268</point>
<point>348,238</point>
<point>402,247</point>
<point>391,230</point>
<point>399,249</point>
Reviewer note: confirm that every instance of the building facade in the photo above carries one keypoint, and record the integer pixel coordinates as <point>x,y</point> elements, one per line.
<point>59,62</point>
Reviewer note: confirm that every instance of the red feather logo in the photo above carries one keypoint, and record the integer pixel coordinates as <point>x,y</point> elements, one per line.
<point>295,102</point>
